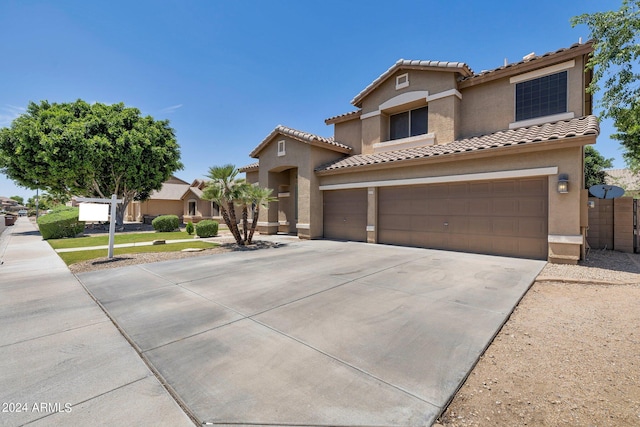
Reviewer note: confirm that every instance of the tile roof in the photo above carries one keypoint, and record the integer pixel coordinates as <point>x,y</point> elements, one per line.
<point>343,117</point>
<point>249,167</point>
<point>460,67</point>
<point>578,127</point>
<point>305,137</point>
<point>573,50</point>
<point>169,192</point>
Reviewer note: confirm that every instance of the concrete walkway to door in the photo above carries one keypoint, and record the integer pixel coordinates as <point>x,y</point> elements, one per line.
<point>315,332</point>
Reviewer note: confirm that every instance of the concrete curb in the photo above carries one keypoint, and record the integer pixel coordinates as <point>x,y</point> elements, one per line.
<point>541,279</point>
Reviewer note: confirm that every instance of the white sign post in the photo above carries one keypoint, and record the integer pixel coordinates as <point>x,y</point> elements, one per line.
<point>92,213</point>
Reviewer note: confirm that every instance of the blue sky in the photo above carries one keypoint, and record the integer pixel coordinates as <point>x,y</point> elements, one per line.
<point>225,73</point>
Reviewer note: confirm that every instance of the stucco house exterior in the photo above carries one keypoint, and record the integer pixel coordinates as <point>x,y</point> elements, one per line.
<point>437,156</point>
<point>176,197</point>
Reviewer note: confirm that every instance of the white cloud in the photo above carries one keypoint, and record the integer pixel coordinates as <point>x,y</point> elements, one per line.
<point>9,113</point>
<point>169,110</point>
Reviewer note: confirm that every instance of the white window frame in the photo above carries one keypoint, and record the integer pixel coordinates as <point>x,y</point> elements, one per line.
<point>281,148</point>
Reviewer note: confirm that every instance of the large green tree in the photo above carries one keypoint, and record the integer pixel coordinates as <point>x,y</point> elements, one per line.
<point>90,150</point>
<point>616,71</point>
<point>594,166</point>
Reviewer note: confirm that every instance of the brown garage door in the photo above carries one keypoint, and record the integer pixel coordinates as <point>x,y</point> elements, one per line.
<point>345,214</point>
<point>505,217</point>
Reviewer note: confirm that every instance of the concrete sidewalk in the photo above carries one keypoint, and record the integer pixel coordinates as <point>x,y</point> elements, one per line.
<point>62,361</point>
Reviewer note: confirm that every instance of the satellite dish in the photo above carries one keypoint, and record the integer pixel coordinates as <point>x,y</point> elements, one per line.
<point>606,191</point>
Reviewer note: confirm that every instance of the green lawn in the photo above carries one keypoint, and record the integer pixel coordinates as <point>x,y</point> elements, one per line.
<point>79,256</point>
<point>80,242</point>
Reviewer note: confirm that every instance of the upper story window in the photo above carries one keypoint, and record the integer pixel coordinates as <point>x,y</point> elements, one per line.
<point>281,148</point>
<point>543,96</point>
<point>409,123</point>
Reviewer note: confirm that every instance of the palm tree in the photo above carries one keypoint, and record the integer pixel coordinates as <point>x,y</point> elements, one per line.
<point>225,190</point>
<point>260,197</point>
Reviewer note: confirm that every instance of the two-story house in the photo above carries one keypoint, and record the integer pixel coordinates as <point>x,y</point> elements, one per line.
<point>438,156</point>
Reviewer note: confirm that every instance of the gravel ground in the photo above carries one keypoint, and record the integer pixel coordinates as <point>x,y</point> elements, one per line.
<point>569,355</point>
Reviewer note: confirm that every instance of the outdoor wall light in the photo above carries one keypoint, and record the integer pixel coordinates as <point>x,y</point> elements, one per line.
<point>563,183</point>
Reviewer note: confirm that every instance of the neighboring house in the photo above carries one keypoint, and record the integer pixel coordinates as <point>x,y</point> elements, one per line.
<point>438,156</point>
<point>175,197</point>
<point>626,179</point>
<point>10,205</point>
<point>196,208</point>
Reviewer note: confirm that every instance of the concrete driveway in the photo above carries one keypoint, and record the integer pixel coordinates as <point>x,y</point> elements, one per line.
<point>315,332</point>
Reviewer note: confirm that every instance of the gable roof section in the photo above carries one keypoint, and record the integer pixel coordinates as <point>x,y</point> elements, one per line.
<point>583,126</point>
<point>305,137</point>
<point>405,64</point>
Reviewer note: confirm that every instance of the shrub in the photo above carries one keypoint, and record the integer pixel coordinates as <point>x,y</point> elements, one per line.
<point>61,222</point>
<point>189,228</point>
<point>207,228</point>
<point>166,223</point>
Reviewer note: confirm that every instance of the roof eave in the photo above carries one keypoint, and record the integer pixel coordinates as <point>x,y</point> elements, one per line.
<point>526,66</point>
<point>474,154</point>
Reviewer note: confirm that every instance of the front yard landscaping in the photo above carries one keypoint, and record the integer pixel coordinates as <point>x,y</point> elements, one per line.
<point>91,252</point>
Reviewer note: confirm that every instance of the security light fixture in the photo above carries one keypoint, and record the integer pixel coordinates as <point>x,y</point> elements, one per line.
<point>563,183</point>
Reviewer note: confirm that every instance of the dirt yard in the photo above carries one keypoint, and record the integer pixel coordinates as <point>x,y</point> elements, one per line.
<point>568,356</point>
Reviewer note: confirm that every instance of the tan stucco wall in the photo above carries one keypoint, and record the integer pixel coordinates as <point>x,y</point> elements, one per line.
<point>136,210</point>
<point>490,107</point>
<point>432,81</point>
<point>350,133</point>
<point>297,164</point>
<point>252,177</point>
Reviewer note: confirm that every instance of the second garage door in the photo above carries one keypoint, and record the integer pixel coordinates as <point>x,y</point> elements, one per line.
<point>505,217</point>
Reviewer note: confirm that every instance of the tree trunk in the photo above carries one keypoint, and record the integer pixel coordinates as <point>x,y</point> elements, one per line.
<point>254,224</point>
<point>234,224</point>
<point>245,222</point>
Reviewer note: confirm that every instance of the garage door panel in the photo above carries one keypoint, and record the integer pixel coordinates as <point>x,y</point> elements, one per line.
<point>480,189</point>
<point>505,226</point>
<point>531,227</point>
<point>505,217</point>
<point>437,191</point>
<point>437,223</point>
<point>507,186</point>
<point>397,205</point>
<point>458,206</point>
<point>532,207</point>
<point>345,214</point>
<point>459,190</point>
<point>480,206</point>
<point>504,207</point>
<point>535,187</point>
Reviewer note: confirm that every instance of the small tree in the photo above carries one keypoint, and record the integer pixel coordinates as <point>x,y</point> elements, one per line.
<point>225,190</point>
<point>260,198</point>
<point>594,166</point>
<point>228,192</point>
